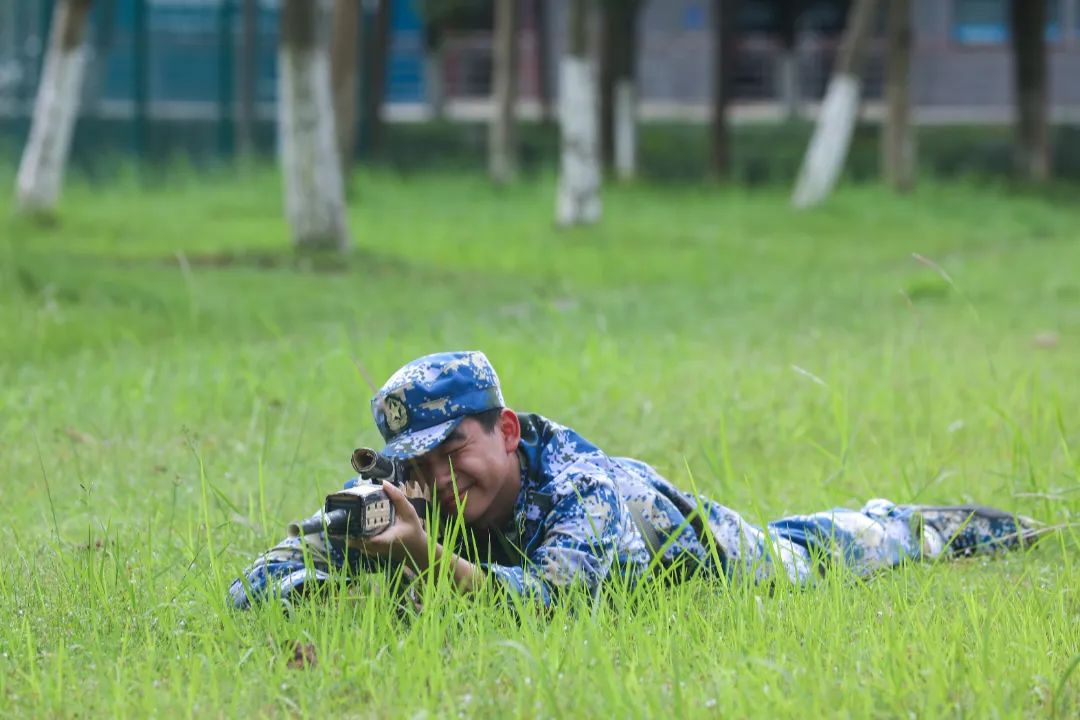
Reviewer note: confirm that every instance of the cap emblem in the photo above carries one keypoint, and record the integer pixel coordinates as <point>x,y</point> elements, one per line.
<point>397,415</point>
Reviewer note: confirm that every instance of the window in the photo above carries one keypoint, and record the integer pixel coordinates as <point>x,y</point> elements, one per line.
<point>826,17</point>
<point>986,22</point>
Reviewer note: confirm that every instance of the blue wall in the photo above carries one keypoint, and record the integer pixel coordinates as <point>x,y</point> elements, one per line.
<point>185,49</point>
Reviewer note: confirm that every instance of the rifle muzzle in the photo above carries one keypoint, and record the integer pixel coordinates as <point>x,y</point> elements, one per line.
<point>334,522</point>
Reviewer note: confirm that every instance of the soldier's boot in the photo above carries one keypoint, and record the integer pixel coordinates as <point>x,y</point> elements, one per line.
<point>971,529</point>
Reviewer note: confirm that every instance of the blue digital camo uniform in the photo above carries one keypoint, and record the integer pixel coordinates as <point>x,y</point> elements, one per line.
<point>583,516</point>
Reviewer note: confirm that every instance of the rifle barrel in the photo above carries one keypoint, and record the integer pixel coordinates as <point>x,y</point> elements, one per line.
<point>335,522</point>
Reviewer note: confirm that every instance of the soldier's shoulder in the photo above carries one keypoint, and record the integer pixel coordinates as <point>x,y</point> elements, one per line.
<point>564,447</point>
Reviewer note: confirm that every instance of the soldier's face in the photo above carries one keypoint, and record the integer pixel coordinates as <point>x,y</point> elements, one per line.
<point>477,471</point>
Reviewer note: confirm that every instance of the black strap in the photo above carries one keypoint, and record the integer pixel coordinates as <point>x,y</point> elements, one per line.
<point>420,505</point>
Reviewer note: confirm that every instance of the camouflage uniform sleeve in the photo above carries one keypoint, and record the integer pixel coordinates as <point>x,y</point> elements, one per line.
<point>295,566</point>
<point>580,540</point>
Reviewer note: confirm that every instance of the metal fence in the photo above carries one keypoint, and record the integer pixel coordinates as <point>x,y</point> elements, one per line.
<point>178,60</point>
<point>188,50</point>
<point>203,68</point>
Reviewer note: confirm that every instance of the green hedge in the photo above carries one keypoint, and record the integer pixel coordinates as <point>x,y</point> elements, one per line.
<point>670,152</point>
<point>762,153</point>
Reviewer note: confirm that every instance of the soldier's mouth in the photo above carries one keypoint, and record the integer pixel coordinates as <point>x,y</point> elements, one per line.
<point>448,498</point>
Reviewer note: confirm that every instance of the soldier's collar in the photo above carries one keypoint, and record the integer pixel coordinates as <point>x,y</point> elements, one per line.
<point>523,489</point>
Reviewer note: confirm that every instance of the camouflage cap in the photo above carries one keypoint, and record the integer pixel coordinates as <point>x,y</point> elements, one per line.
<point>425,400</point>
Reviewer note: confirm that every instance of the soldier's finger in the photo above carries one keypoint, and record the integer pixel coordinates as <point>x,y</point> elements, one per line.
<point>401,503</point>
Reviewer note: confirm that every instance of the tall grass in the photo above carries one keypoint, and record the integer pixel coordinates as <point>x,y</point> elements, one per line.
<point>175,387</point>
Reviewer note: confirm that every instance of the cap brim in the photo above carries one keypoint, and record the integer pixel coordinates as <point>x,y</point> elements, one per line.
<point>408,445</point>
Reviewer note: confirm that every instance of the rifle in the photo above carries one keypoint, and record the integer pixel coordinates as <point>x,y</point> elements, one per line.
<point>364,509</point>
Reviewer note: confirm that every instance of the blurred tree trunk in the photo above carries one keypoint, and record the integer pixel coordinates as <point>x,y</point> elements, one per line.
<point>724,17</point>
<point>898,135</point>
<point>1032,132</point>
<point>314,196</point>
<point>828,147</point>
<point>578,199</point>
<point>618,86</point>
<point>249,30</point>
<point>345,79</point>
<point>140,77</point>
<point>787,64</point>
<point>434,67</point>
<point>375,62</point>
<point>41,170</point>
<point>502,141</point>
<point>543,47</point>
<point>226,77</point>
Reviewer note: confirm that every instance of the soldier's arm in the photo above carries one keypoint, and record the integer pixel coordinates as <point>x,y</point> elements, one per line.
<point>294,566</point>
<point>580,542</point>
<point>286,570</point>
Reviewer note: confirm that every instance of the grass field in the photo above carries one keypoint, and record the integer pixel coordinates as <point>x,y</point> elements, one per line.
<point>175,387</point>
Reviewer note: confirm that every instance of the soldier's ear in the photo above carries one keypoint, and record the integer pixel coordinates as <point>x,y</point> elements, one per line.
<point>510,429</point>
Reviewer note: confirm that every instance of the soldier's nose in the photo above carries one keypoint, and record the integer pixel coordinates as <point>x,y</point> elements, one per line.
<point>442,475</point>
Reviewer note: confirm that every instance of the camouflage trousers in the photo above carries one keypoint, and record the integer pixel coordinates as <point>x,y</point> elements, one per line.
<point>878,536</point>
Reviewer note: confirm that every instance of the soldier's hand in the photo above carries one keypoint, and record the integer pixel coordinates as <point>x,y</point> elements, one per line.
<point>405,540</point>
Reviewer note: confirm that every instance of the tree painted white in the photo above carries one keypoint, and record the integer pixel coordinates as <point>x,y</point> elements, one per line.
<point>578,197</point>
<point>828,147</point>
<point>41,169</point>
<point>625,129</point>
<point>314,194</point>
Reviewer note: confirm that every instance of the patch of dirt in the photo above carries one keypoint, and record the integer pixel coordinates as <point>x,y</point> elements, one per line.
<point>303,656</point>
